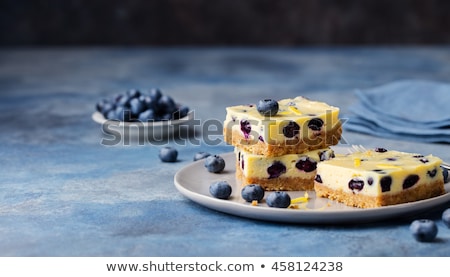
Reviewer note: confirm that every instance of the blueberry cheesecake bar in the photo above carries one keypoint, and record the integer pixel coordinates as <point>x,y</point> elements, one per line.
<point>286,172</point>
<point>379,177</point>
<point>289,126</point>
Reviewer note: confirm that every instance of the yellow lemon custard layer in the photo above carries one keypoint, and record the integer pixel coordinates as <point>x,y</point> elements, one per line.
<point>286,172</point>
<point>379,177</point>
<point>300,125</point>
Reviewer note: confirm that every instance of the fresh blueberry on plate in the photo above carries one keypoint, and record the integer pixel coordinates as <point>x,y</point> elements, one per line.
<point>168,154</point>
<point>423,230</point>
<point>252,192</point>
<point>220,189</point>
<point>278,199</point>
<point>215,163</point>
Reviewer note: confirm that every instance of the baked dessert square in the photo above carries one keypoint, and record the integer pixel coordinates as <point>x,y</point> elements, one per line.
<point>300,125</point>
<point>378,177</point>
<point>286,172</point>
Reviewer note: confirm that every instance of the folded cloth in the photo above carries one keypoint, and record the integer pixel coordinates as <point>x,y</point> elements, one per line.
<point>415,110</point>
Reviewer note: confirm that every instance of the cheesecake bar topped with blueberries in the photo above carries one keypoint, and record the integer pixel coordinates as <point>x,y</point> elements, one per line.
<point>379,177</point>
<point>289,126</point>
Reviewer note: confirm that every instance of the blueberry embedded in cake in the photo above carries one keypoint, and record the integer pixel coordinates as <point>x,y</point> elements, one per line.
<point>289,126</point>
<point>379,177</point>
<point>286,172</point>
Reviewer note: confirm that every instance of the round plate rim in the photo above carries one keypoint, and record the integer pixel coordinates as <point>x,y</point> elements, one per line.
<point>324,216</point>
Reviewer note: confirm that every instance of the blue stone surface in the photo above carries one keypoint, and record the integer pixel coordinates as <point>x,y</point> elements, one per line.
<point>63,193</point>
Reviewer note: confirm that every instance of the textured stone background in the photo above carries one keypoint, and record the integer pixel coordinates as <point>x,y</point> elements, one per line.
<point>223,22</point>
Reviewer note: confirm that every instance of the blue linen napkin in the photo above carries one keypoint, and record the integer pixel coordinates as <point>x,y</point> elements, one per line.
<point>416,110</point>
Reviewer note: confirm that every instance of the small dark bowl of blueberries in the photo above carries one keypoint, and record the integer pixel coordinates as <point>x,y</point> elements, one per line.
<point>144,111</point>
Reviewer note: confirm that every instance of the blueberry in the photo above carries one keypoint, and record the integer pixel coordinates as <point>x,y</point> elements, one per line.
<point>423,230</point>
<point>252,192</point>
<point>136,107</point>
<point>386,183</point>
<point>276,169</point>
<point>155,94</point>
<point>106,108</point>
<point>123,113</point>
<point>445,174</point>
<point>291,129</point>
<point>278,199</point>
<point>133,93</point>
<point>215,163</point>
<point>315,124</point>
<point>166,105</point>
<point>356,184</point>
<point>380,150</point>
<point>221,189</point>
<point>446,217</point>
<point>267,107</point>
<point>100,105</point>
<point>306,164</point>
<point>201,155</point>
<point>168,154</point>
<point>123,101</point>
<point>432,173</point>
<point>149,102</point>
<point>410,181</point>
<point>111,115</point>
<point>147,115</point>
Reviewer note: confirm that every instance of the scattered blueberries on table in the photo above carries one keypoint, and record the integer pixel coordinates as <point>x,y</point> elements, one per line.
<point>423,230</point>
<point>215,163</point>
<point>168,154</point>
<point>220,189</point>
<point>137,105</point>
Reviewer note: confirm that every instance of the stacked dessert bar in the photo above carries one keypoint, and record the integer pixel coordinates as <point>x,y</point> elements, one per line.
<point>279,147</point>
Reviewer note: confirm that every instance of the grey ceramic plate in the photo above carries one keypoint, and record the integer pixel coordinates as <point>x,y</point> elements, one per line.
<point>193,181</point>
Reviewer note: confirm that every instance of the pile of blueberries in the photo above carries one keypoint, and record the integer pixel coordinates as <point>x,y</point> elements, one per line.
<point>140,105</point>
